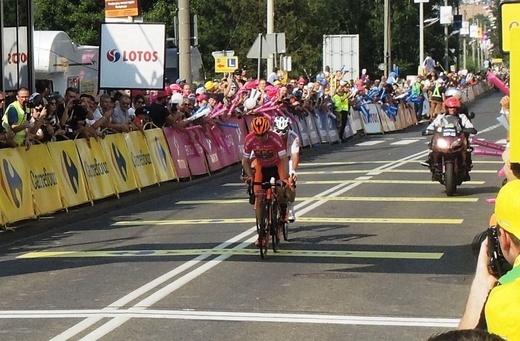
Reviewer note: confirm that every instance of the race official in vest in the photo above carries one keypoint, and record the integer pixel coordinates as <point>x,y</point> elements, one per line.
<point>437,98</point>
<point>494,304</point>
<point>15,117</point>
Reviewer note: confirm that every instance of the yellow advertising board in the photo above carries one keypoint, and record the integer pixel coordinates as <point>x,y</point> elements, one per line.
<point>15,186</point>
<point>119,163</point>
<point>71,179</point>
<point>509,18</point>
<point>95,167</point>
<point>140,158</point>
<point>44,179</point>
<point>160,153</point>
<point>514,83</point>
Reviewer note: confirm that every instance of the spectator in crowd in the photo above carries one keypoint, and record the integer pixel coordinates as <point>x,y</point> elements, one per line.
<point>273,76</point>
<point>121,121</point>
<point>66,105</point>
<point>341,108</point>
<point>15,117</point>
<point>437,98</point>
<point>51,128</point>
<point>466,335</point>
<point>493,304</point>
<point>2,104</point>
<point>102,114</point>
<point>42,87</point>
<point>417,91</point>
<point>429,63</point>
<point>158,111</point>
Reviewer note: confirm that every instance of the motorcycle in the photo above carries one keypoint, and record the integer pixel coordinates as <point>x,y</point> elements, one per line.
<point>446,158</point>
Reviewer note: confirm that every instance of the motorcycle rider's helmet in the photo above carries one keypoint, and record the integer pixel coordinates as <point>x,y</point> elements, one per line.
<point>260,125</point>
<point>453,92</point>
<point>281,124</point>
<point>452,102</point>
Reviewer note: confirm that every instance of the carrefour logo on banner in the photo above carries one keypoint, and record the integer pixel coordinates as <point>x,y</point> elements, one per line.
<point>70,169</point>
<point>119,161</point>
<point>115,55</point>
<point>11,183</point>
<point>161,153</point>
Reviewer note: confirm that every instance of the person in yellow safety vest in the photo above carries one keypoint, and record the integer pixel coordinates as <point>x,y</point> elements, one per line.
<point>15,117</point>
<point>494,303</point>
<point>437,98</point>
<point>341,107</point>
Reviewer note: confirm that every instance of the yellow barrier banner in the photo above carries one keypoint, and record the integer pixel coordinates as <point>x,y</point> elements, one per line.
<point>119,163</point>
<point>71,178</point>
<point>96,169</point>
<point>44,181</point>
<point>514,83</point>
<point>160,153</point>
<point>141,158</point>
<point>15,186</point>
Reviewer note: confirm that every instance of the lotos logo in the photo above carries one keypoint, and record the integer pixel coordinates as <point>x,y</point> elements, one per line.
<point>119,161</point>
<point>113,55</point>
<point>71,170</point>
<point>132,56</point>
<point>12,183</point>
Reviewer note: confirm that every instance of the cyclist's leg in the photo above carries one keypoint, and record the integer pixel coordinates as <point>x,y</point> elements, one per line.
<point>281,192</point>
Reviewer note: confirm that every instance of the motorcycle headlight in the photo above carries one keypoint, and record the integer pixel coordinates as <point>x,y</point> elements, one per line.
<point>442,144</point>
<point>456,143</point>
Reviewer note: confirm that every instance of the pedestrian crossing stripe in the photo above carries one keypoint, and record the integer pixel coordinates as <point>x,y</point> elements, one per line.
<point>369,143</point>
<point>335,198</point>
<point>362,220</point>
<point>364,171</point>
<point>233,252</point>
<point>347,163</point>
<point>382,181</point>
<point>403,142</point>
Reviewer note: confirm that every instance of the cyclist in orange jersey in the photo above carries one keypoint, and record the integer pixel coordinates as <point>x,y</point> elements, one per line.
<point>268,149</point>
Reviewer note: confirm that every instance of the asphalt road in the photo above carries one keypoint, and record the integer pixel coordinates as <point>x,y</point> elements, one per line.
<point>378,252</point>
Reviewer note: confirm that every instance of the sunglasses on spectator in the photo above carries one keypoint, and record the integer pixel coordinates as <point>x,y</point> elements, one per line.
<point>139,102</point>
<point>52,103</point>
<point>452,107</point>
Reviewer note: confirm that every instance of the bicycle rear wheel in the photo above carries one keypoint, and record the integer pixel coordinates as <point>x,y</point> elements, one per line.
<point>275,225</point>
<point>285,229</point>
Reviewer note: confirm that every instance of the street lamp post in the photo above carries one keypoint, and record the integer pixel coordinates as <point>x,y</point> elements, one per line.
<point>421,30</point>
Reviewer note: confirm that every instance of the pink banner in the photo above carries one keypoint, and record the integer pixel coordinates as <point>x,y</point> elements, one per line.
<point>177,151</point>
<point>209,146</point>
<point>201,150</point>
<point>189,151</point>
<point>225,152</point>
<point>235,136</point>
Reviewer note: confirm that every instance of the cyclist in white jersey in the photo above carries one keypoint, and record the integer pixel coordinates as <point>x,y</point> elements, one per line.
<point>281,126</point>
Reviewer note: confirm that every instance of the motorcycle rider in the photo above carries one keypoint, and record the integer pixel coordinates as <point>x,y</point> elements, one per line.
<point>452,107</point>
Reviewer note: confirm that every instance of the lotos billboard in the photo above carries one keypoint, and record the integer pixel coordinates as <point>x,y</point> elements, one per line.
<point>136,63</point>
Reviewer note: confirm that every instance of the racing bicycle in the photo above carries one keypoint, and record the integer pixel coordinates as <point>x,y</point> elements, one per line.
<point>271,220</point>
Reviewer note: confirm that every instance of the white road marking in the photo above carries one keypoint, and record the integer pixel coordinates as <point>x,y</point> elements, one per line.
<point>369,143</point>
<point>403,142</point>
<point>176,284</point>
<point>189,314</point>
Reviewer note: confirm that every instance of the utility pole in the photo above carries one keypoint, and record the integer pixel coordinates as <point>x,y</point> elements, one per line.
<point>270,30</point>
<point>387,39</point>
<point>184,40</point>
<point>446,48</point>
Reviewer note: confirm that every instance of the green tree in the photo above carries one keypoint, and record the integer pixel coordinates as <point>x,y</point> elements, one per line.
<point>234,25</point>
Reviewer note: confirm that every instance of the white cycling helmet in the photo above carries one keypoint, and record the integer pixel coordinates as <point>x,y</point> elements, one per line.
<point>453,92</point>
<point>281,124</point>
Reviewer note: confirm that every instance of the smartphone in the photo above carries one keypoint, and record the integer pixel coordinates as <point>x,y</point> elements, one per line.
<point>76,102</point>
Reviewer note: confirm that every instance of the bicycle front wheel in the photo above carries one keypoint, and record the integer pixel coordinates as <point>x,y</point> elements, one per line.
<point>263,228</point>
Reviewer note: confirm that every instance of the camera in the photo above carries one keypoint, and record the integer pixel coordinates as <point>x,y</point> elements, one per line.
<point>76,102</point>
<point>498,265</point>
